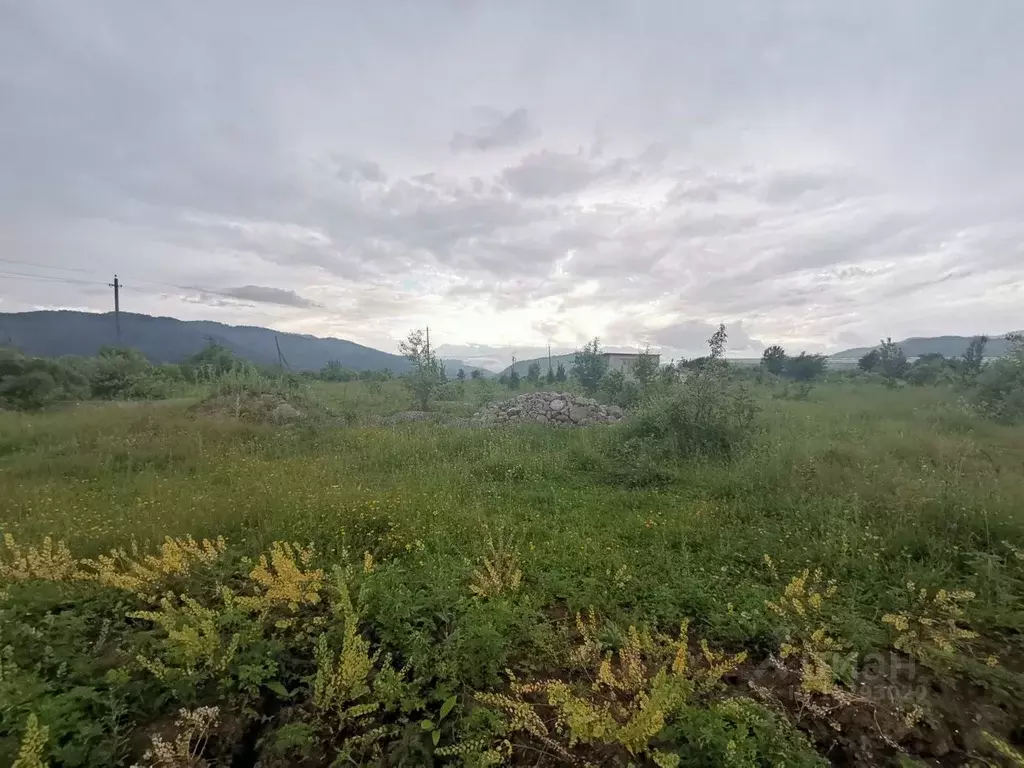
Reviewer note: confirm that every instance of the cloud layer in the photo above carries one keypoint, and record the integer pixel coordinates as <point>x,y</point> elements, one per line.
<point>518,175</point>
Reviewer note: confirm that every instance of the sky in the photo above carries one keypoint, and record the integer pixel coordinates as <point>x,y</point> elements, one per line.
<point>814,174</point>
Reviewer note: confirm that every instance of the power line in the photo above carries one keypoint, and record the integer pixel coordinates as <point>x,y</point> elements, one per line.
<point>48,278</point>
<point>50,266</point>
<point>12,275</point>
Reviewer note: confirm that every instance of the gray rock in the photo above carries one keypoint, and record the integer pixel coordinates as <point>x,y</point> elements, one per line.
<point>552,408</point>
<point>284,414</point>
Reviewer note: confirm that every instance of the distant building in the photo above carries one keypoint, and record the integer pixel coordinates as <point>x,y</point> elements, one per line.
<point>624,361</point>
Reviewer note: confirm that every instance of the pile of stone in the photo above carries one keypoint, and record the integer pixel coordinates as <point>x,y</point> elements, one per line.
<point>555,408</point>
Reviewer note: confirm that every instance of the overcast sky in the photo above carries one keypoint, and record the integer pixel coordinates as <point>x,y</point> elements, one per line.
<point>813,173</point>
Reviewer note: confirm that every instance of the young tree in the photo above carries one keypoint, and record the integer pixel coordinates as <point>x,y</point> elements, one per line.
<point>774,359</point>
<point>513,379</point>
<point>461,375</point>
<point>891,360</point>
<point>476,373</point>
<point>550,377</point>
<point>560,375</point>
<point>974,357</point>
<point>716,344</point>
<point>589,366</point>
<point>533,373</point>
<point>869,361</point>
<point>427,372</point>
<point>645,367</point>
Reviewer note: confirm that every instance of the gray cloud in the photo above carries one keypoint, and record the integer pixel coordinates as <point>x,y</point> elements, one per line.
<point>692,335</point>
<point>499,131</point>
<point>264,294</point>
<point>549,174</point>
<point>777,170</point>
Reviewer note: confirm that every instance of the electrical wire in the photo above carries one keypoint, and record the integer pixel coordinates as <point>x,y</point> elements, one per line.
<point>51,266</point>
<point>48,278</point>
<point>12,275</point>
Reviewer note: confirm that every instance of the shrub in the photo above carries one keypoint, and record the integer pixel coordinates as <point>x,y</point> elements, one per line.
<point>29,383</point>
<point>29,390</point>
<point>450,391</point>
<point>616,388</point>
<point>928,371</point>
<point>998,390</point>
<point>704,415</point>
<point>804,367</point>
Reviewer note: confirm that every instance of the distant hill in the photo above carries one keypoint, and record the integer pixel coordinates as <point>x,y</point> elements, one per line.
<point>522,366</point>
<point>948,346</point>
<point>169,340</point>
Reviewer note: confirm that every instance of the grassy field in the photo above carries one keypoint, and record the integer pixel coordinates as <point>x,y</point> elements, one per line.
<point>851,585</point>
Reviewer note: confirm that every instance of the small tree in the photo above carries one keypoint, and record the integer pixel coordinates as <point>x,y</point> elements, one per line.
<point>550,377</point>
<point>513,379</point>
<point>476,373</point>
<point>427,372</point>
<point>589,366</point>
<point>774,359</point>
<point>533,373</point>
<point>461,375</point>
<point>974,357</point>
<point>645,367</point>
<point>870,361</point>
<point>891,360</point>
<point>560,375</point>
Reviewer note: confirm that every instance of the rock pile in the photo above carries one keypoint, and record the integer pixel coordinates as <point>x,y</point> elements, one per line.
<point>555,408</point>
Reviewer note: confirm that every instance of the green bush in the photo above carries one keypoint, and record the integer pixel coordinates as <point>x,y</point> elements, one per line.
<point>705,414</point>
<point>998,390</point>
<point>29,383</point>
<point>450,392</point>
<point>617,388</point>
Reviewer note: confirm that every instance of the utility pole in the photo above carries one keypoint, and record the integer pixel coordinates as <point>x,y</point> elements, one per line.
<point>117,307</point>
<point>282,363</point>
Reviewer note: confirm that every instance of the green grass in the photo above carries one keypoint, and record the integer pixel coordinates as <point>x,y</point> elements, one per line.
<point>878,487</point>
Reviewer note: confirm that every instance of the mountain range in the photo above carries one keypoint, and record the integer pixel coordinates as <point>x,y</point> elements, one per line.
<point>947,346</point>
<point>56,333</point>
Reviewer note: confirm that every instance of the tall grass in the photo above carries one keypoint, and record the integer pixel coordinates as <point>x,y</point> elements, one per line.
<point>878,487</point>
